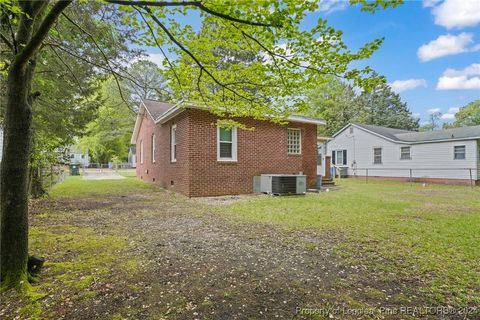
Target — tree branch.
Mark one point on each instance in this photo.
(104, 57)
(191, 55)
(161, 49)
(8, 43)
(36, 40)
(197, 4)
(69, 69)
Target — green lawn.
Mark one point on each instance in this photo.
(431, 233)
(76, 187)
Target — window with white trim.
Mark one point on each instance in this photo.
(141, 151)
(377, 155)
(294, 141)
(173, 143)
(339, 157)
(153, 148)
(459, 152)
(405, 153)
(227, 144)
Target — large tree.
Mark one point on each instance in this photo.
(297, 58)
(383, 107)
(468, 115)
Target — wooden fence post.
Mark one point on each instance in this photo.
(471, 179)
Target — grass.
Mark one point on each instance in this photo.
(76, 187)
(428, 232)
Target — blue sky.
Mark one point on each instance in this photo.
(431, 52)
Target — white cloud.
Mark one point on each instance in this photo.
(446, 45)
(455, 13)
(329, 6)
(156, 58)
(416, 115)
(434, 110)
(404, 85)
(467, 78)
(448, 116)
(453, 110)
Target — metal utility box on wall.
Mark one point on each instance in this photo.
(283, 184)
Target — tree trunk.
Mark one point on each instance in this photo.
(14, 177)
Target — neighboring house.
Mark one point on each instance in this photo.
(132, 157)
(76, 156)
(179, 147)
(445, 156)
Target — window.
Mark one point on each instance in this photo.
(294, 141)
(377, 155)
(173, 143)
(141, 151)
(351, 130)
(153, 148)
(405, 153)
(227, 144)
(339, 157)
(459, 152)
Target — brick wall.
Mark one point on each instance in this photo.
(263, 150)
(197, 171)
(164, 173)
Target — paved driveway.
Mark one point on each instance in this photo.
(101, 174)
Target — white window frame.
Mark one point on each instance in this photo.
(381, 155)
(340, 151)
(233, 158)
(141, 151)
(299, 140)
(464, 152)
(409, 153)
(153, 148)
(173, 143)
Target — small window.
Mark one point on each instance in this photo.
(141, 151)
(339, 157)
(294, 141)
(405, 153)
(377, 155)
(173, 143)
(153, 148)
(351, 130)
(227, 144)
(459, 152)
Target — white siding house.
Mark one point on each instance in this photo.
(451, 155)
(76, 156)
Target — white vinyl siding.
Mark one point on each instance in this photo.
(227, 144)
(173, 143)
(294, 142)
(153, 148)
(437, 157)
(405, 153)
(377, 155)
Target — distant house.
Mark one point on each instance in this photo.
(179, 147)
(132, 157)
(444, 156)
(76, 156)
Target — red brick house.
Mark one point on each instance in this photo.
(180, 148)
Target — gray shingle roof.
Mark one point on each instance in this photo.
(417, 137)
(156, 108)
